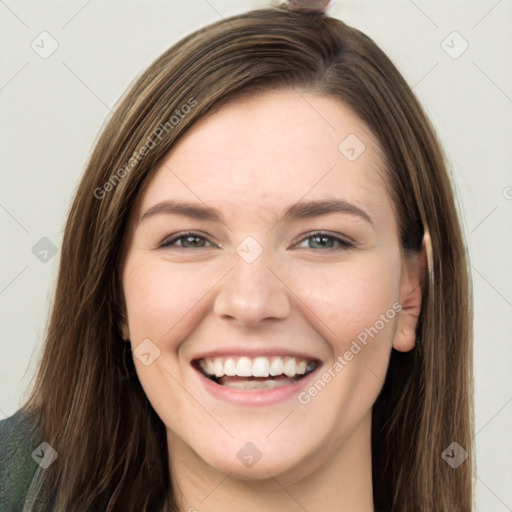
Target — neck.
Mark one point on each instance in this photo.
(336, 479)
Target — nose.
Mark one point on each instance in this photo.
(252, 292)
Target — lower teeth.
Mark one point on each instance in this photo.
(248, 383)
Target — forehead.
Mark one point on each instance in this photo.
(271, 151)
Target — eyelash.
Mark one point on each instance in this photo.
(345, 245)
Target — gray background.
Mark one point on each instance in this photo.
(53, 109)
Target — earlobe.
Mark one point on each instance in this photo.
(411, 292)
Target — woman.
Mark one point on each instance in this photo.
(262, 299)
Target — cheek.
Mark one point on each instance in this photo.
(358, 321)
(353, 298)
(165, 302)
(161, 300)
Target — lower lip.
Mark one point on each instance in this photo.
(253, 396)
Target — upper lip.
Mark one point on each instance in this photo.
(252, 353)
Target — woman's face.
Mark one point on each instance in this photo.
(256, 287)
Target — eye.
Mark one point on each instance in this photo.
(192, 240)
(189, 241)
(320, 239)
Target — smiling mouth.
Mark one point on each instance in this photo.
(257, 373)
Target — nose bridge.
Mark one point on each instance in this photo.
(251, 291)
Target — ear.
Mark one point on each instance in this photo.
(414, 270)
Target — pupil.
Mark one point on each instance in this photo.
(323, 239)
(190, 239)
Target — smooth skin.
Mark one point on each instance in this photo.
(251, 160)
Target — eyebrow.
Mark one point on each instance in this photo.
(297, 211)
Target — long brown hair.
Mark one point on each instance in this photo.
(87, 398)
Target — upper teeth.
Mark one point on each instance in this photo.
(255, 367)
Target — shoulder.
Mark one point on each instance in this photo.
(18, 440)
